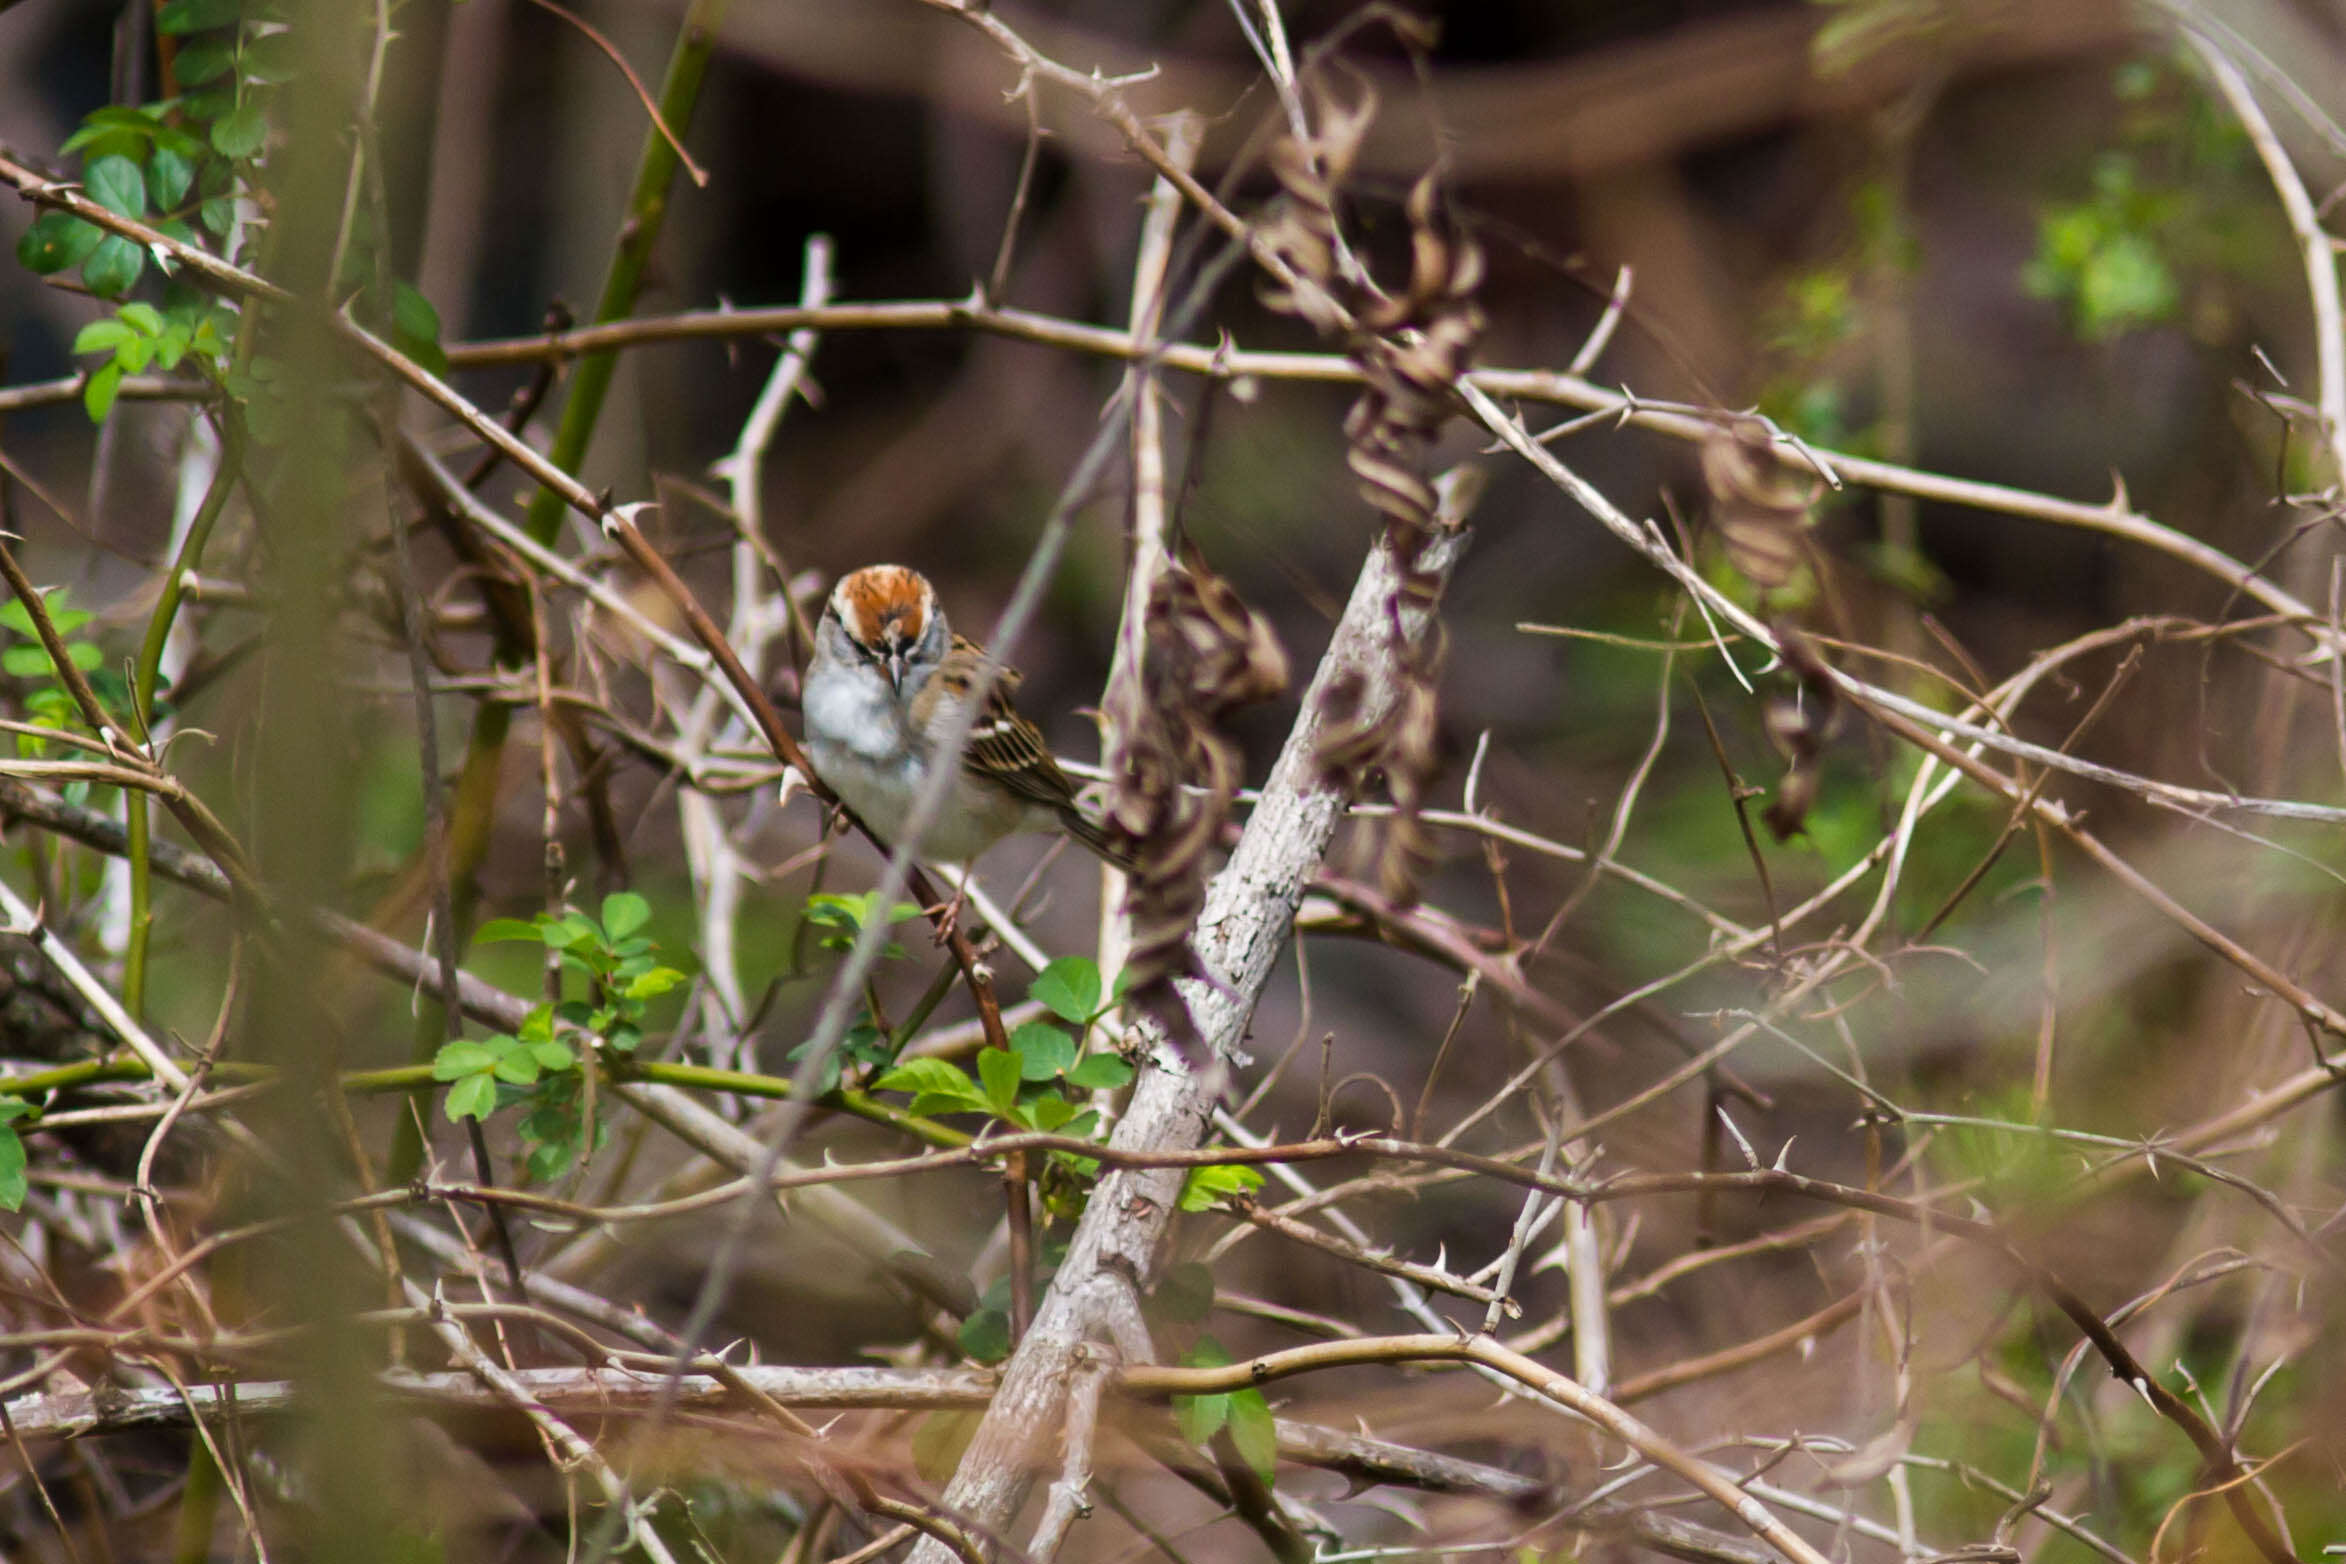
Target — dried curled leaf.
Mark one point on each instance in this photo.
(1799, 725)
(1405, 746)
(1411, 347)
(1420, 342)
(1176, 772)
(1759, 505)
(1301, 230)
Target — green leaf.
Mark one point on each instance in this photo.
(269, 58)
(240, 133)
(207, 338)
(474, 1097)
(652, 984)
(169, 177)
(1101, 1072)
(55, 242)
(553, 1054)
(14, 1186)
(556, 1128)
(415, 328)
(62, 618)
(113, 267)
(116, 184)
(194, 16)
(623, 913)
(985, 1336)
(1069, 988)
(13, 1108)
(203, 107)
(998, 1068)
(497, 930)
(102, 336)
(116, 130)
(934, 1077)
(1044, 1051)
(567, 931)
(549, 1160)
(207, 59)
(835, 911)
(516, 1064)
(181, 143)
(2128, 284)
(853, 912)
(462, 1057)
(1254, 1433)
(1046, 1113)
(142, 318)
(1206, 1353)
(110, 685)
(1205, 1187)
(98, 396)
(1200, 1417)
(413, 314)
(866, 1044)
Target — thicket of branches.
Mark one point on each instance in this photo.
(1732, 955)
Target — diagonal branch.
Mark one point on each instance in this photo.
(1249, 911)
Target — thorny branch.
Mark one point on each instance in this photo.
(1088, 1380)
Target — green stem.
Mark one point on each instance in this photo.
(66, 1077)
(142, 908)
(199, 1505)
(909, 1028)
(418, 1077)
(144, 678)
(647, 213)
(742, 1083)
(473, 802)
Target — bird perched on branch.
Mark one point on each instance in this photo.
(887, 680)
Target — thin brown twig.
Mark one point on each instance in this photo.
(643, 94)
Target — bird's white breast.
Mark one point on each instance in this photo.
(860, 745)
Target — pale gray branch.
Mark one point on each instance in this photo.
(1249, 913)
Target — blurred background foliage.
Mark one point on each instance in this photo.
(2022, 244)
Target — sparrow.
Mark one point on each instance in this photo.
(888, 676)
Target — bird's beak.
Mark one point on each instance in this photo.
(896, 670)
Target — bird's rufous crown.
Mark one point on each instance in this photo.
(881, 605)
